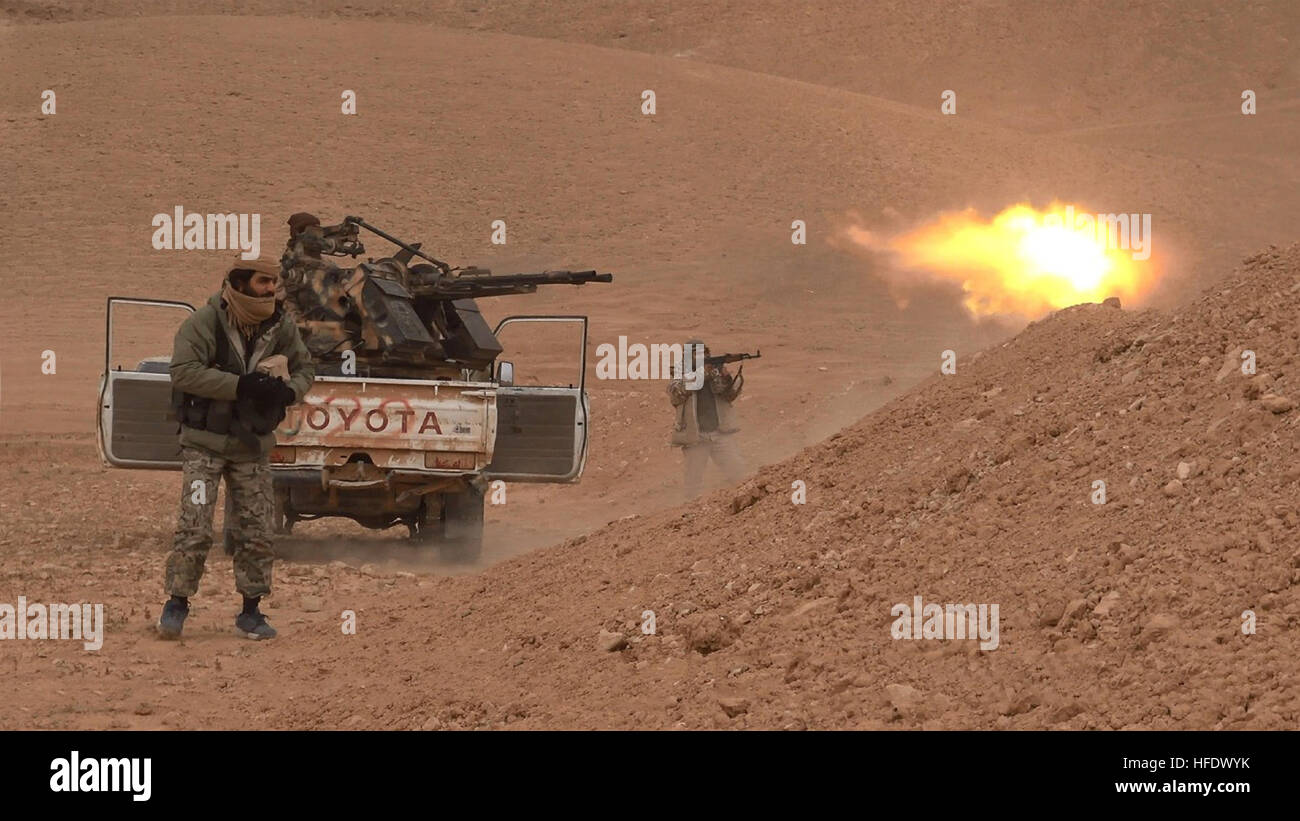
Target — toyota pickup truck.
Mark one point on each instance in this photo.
(382, 452)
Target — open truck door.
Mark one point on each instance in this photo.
(542, 407)
(135, 426)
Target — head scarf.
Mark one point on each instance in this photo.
(246, 312)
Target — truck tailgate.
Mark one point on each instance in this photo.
(397, 423)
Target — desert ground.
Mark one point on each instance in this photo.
(966, 487)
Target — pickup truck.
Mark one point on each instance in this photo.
(382, 452)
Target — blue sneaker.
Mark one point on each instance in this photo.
(253, 626)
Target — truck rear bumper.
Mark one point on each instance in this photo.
(362, 475)
(361, 491)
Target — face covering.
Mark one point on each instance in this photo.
(246, 312)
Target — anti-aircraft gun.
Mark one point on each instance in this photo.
(400, 318)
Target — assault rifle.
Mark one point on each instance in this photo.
(724, 358)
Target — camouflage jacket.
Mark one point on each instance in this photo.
(725, 388)
(302, 284)
(299, 265)
(193, 370)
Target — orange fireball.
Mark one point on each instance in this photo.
(1024, 261)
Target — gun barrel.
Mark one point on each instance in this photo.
(722, 359)
(399, 243)
(476, 285)
(544, 278)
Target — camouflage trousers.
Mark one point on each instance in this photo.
(248, 484)
(722, 449)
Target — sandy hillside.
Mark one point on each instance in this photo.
(1029, 65)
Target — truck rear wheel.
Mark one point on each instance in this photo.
(454, 521)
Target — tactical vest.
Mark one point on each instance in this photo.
(202, 412)
(243, 418)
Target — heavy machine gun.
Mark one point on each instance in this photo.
(398, 319)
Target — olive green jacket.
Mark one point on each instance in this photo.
(193, 370)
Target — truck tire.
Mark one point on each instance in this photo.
(460, 529)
